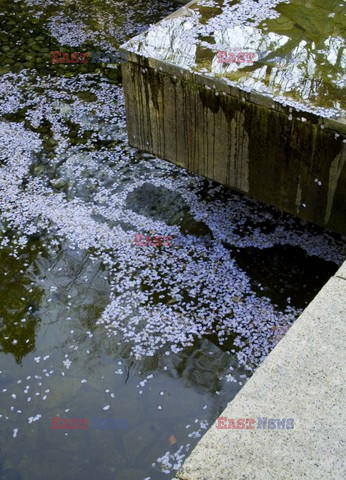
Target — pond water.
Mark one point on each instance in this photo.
(147, 343)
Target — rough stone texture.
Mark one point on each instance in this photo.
(302, 378)
(294, 160)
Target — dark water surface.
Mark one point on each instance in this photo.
(91, 326)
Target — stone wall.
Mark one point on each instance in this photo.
(292, 160)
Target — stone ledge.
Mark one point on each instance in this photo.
(184, 40)
(262, 141)
(265, 151)
(217, 85)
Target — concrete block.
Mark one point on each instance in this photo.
(237, 124)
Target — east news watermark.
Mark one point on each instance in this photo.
(251, 57)
(84, 57)
(153, 241)
(261, 423)
(59, 423)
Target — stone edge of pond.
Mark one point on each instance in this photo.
(302, 378)
(275, 153)
(220, 85)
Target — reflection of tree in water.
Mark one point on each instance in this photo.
(19, 301)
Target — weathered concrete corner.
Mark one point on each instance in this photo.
(182, 107)
(302, 378)
(341, 273)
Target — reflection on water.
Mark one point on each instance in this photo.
(20, 301)
(311, 32)
(92, 326)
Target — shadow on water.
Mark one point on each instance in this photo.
(160, 203)
(293, 273)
